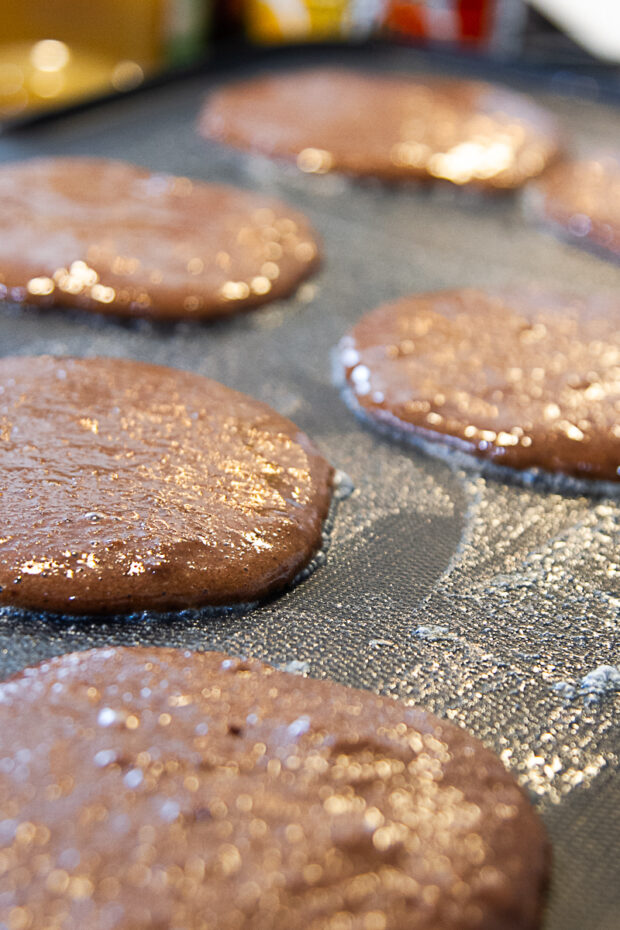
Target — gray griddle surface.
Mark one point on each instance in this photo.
(493, 605)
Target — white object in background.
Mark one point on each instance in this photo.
(365, 15)
(594, 24)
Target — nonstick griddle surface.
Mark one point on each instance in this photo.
(489, 603)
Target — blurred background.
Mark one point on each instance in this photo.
(58, 53)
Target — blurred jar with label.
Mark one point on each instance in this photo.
(57, 52)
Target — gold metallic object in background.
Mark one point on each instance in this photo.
(56, 54)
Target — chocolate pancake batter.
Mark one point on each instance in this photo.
(126, 486)
(115, 239)
(465, 132)
(582, 199)
(530, 380)
(144, 788)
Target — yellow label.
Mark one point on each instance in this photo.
(279, 20)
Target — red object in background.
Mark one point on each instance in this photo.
(406, 17)
(476, 19)
(460, 21)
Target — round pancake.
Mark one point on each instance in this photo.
(160, 788)
(126, 486)
(526, 379)
(393, 127)
(582, 200)
(116, 239)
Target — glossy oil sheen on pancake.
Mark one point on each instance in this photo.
(116, 239)
(126, 486)
(393, 127)
(145, 788)
(582, 198)
(526, 379)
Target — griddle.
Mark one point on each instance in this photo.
(491, 603)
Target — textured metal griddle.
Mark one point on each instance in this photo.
(486, 602)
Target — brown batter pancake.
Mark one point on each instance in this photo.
(582, 198)
(126, 486)
(528, 380)
(156, 788)
(115, 239)
(387, 126)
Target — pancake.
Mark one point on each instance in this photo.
(529, 380)
(119, 240)
(160, 788)
(126, 486)
(581, 199)
(391, 127)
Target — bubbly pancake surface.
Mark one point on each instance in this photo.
(126, 486)
(582, 198)
(160, 788)
(112, 238)
(393, 127)
(527, 379)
